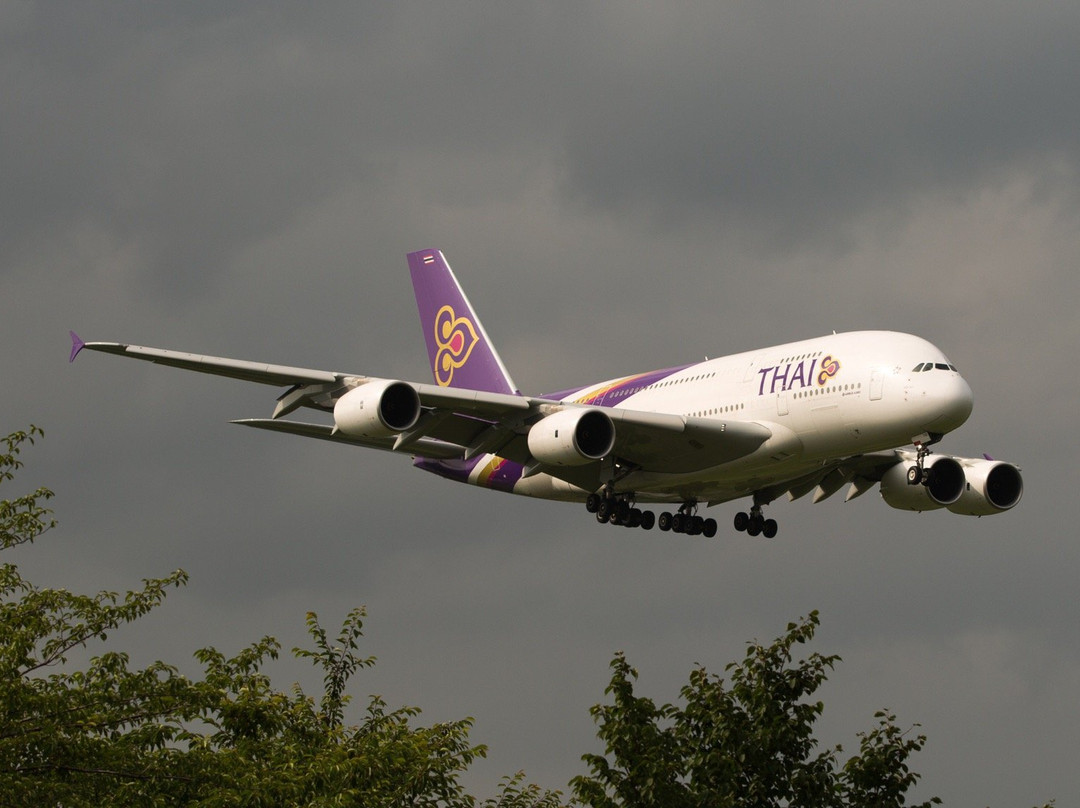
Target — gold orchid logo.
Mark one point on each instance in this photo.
(455, 337)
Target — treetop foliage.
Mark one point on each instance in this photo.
(110, 734)
(107, 734)
(745, 741)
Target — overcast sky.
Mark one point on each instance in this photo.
(619, 187)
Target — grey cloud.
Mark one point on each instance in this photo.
(618, 189)
(801, 114)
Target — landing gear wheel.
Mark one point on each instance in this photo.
(648, 519)
(708, 530)
(754, 527)
(919, 473)
(769, 528)
(664, 521)
(678, 523)
(742, 521)
(592, 502)
(697, 525)
(604, 510)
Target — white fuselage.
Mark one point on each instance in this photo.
(824, 398)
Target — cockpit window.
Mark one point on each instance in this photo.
(925, 366)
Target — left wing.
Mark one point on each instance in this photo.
(456, 410)
(456, 423)
(234, 368)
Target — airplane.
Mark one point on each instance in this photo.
(860, 409)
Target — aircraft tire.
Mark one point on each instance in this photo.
(648, 519)
(664, 521)
(603, 510)
(768, 530)
(592, 503)
(742, 521)
(709, 528)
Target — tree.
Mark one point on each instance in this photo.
(108, 734)
(744, 742)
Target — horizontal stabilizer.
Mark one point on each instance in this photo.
(423, 447)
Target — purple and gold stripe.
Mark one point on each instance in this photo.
(619, 390)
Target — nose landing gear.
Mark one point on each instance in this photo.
(919, 473)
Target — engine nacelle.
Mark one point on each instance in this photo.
(377, 409)
(572, 437)
(947, 483)
(992, 487)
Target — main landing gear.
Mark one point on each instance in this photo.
(686, 521)
(755, 523)
(619, 511)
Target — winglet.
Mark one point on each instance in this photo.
(76, 345)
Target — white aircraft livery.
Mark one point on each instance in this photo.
(854, 409)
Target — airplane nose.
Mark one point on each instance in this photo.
(944, 401)
(958, 403)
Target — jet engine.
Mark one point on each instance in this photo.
(946, 485)
(377, 409)
(572, 437)
(992, 487)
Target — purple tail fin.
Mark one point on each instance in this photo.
(460, 351)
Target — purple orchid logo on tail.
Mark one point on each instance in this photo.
(455, 337)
